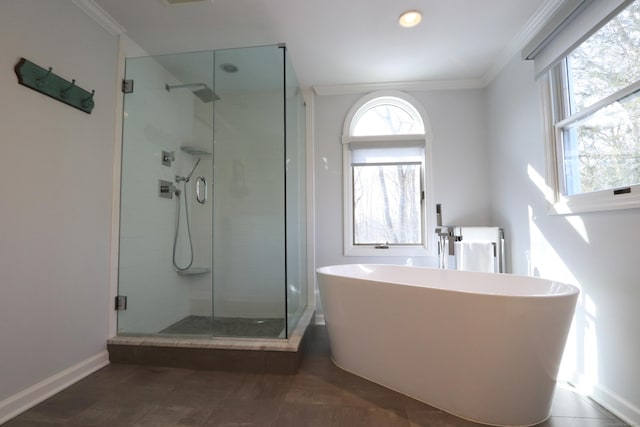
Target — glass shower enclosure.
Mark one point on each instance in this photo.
(212, 209)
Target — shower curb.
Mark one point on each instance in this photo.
(277, 356)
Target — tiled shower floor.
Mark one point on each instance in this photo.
(227, 327)
(319, 395)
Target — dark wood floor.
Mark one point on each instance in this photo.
(319, 395)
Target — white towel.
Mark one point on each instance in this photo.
(479, 234)
(474, 256)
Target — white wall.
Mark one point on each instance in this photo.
(460, 168)
(596, 251)
(55, 204)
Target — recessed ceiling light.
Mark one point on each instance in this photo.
(410, 18)
(229, 68)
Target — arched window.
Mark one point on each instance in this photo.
(386, 115)
(387, 171)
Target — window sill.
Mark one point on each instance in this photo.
(392, 251)
(597, 201)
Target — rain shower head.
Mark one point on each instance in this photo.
(205, 94)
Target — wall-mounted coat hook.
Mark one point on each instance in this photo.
(42, 79)
(48, 83)
(64, 93)
(88, 102)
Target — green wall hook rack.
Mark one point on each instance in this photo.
(48, 83)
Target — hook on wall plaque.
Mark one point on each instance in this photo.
(48, 83)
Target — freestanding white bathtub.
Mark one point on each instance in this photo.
(485, 347)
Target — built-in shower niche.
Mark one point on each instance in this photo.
(224, 257)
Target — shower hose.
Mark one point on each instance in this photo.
(175, 236)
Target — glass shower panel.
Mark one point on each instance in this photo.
(167, 137)
(295, 197)
(213, 205)
(249, 207)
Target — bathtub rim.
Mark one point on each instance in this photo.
(564, 289)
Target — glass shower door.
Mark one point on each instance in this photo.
(165, 268)
(249, 253)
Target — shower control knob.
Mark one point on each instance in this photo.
(166, 189)
(168, 157)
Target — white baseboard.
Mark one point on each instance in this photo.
(617, 405)
(20, 402)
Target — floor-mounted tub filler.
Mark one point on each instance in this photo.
(485, 347)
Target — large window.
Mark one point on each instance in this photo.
(593, 105)
(385, 168)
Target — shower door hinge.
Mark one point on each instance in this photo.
(127, 86)
(121, 302)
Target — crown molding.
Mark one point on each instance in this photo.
(99, 15)
(427, 85)
(531, 28)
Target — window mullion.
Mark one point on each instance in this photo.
(605, 102)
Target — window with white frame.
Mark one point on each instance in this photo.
(386, 152)
(592, 104)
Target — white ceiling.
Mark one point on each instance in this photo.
(343, 42)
